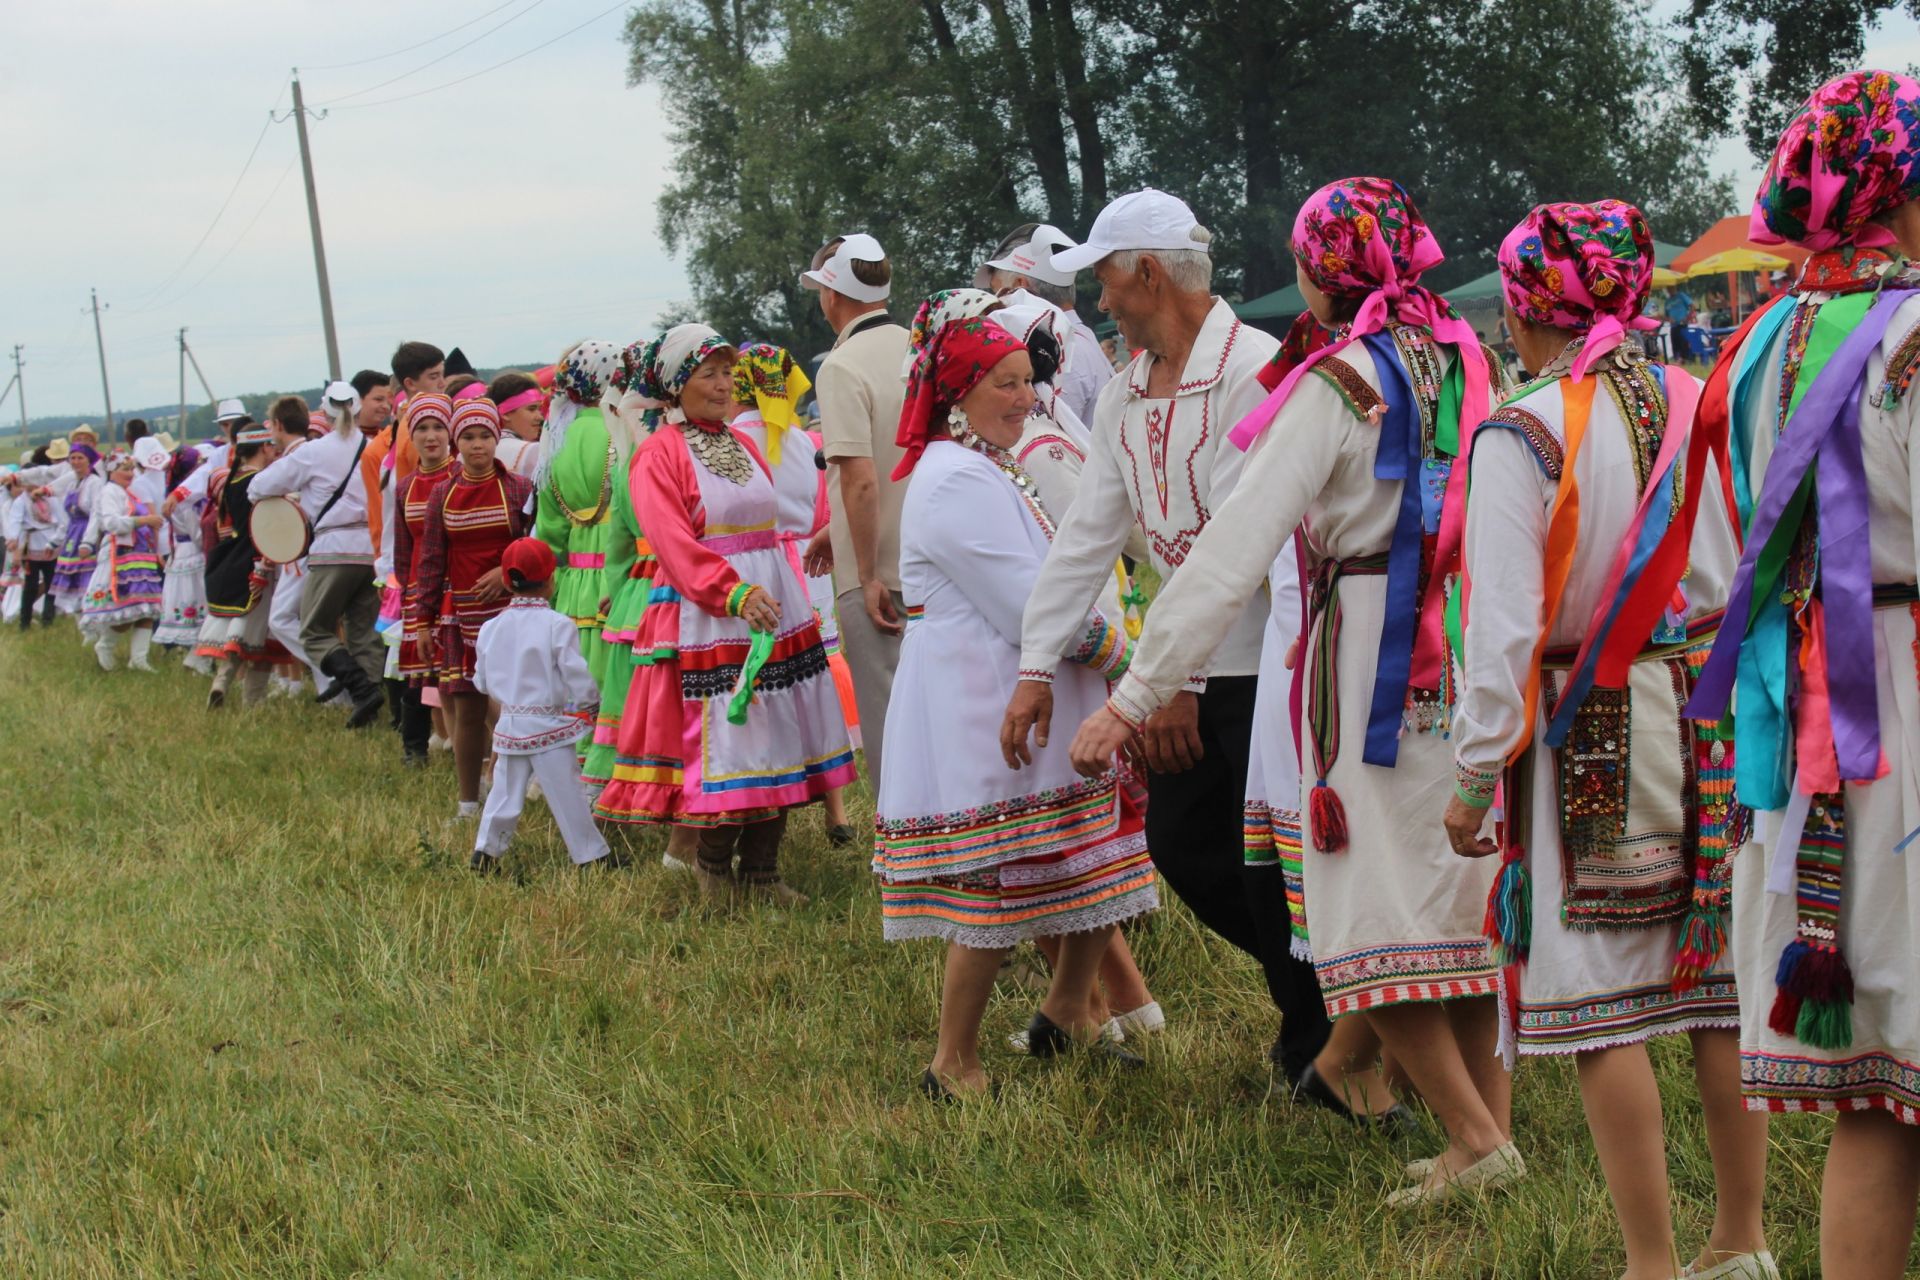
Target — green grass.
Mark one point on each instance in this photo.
(259, 1021)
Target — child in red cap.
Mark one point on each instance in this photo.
(528, 660)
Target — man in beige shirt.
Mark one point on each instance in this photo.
(860, 391)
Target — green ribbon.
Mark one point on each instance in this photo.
(757, 656)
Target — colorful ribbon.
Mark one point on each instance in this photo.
(760, 649)
(1398, 456)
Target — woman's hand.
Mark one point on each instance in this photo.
(1463, 823)
(760, 611)
(1101, 738)
(817, 560)
(491, 585)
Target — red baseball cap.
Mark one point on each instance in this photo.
(530, 558)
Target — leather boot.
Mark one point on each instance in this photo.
(222, 681)
(367, 696)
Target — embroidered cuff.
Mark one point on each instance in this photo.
(1475, 787)
(1133, 702)
(737, 598)
(1104, 649)
(1036, 664)
(1043, 677)
(1195, 684)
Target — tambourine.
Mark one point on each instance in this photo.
(280, 531)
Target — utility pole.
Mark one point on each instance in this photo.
(313, 221)
(183, 384)
(100, 345)
(21, 380)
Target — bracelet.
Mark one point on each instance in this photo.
(737, 598)
(1475, 787)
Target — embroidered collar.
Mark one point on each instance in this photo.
(528, 602)
(1848, 269)
(1206, 362)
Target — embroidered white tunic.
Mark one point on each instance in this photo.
(1164, 466)
(529, 662)
(310, 473)
(1588, 988)
(1880, 903)
(1396, 916)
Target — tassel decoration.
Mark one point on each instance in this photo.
(1329, 818)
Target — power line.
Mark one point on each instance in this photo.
(420, 93)
(435, 39)
(284, 174)
(433, 61)
(157, 290)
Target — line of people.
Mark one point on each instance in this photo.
(1541, 603)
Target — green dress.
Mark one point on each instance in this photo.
(573, 519)
(627, 584)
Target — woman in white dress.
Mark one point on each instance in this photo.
(968, 851)
(123, 595)
(1616, 807)
(183, 600)
(1826, 919)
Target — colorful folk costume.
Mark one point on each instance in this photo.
(724, 728)
(1598, 553)
(1817, 658)
(1355, 447)
(574, 480)
(413, 495)
(528, 661)
(125, 590)
(968, 850)
(469, 522)
(239, 586)
(74, 566)
(626, 580)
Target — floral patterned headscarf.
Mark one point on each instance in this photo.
(1852, 154)
(769, 378)
(959, 355)
(668, 362)
(1364, 238)
(1584, 267)
(580, 381)
(940, 310)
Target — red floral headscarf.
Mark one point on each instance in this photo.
(953, 362)
(1852, 154)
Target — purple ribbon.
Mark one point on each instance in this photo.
(1828, 413)
(1396, 457)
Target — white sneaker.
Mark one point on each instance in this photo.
(469, 808)
(437, 743)
(1743, 1266)
(1146, 1020)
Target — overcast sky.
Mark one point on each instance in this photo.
(511, 214)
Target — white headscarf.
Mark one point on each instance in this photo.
(580, 382)
(1023, 316)
(670, 360)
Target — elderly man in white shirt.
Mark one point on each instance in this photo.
(339, 593)
(1021, 272)
(1161, 462)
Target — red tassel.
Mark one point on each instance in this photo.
(1329, 818)
(1785, 1014)
(1703, 940)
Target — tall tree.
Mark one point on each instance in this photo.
(1750, 63)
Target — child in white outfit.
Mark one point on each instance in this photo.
(528, 661)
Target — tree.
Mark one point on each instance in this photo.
(1751, 63)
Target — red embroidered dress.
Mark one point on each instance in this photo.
(469, 524)
(411, 501)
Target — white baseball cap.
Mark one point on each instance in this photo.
(1141, 220)
(1035, 258)
(836, 273)
(230, 411)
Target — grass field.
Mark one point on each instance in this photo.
(260, 1021)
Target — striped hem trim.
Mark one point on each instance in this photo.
(1864, 1082)
(1607, 1019)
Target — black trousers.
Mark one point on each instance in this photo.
(36, 583)
(1194, 833)
(416, 722)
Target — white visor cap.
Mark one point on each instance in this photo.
(836, 273)
(1035, 259)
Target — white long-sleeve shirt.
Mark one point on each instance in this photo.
(310, 474)
(528, 660)
(1163, 466)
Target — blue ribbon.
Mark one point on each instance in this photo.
(1398, 457)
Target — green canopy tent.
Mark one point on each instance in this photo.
(1272, 306)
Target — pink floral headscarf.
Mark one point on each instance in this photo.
(1584, 267)
(1851, 154)
(1364, 238)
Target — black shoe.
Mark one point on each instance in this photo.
(1396, 1121)
(414, 759)
(934, 1089)
(1048, 1039)
(840, 836)
(611, 860)
(482, 864)
(328, 694)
